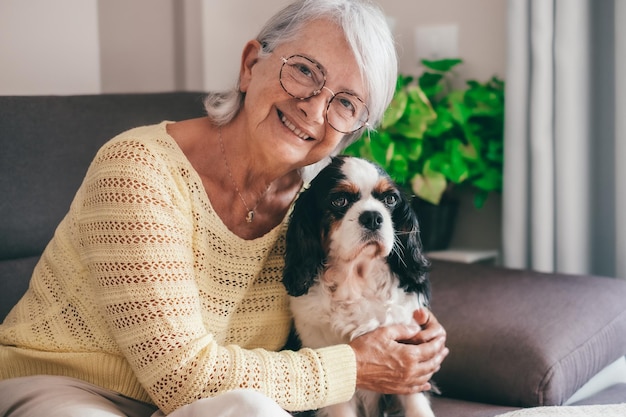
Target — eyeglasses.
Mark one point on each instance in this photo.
(303, 78)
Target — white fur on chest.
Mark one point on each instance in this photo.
(343, 304)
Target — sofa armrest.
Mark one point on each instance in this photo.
(523, 338)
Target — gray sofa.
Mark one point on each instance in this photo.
(517, 338)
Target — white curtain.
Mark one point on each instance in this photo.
(564, 204)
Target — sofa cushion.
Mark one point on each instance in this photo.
(47, 145)
(450, 407)
(523, 338)
(14, 278)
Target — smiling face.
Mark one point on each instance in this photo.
(285, 129)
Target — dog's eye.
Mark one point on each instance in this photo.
(390, 200)
(341, 201)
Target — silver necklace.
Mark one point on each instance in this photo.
(250, 214)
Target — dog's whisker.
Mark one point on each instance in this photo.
(396, 250)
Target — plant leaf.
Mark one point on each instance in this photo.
(396, 109)
(442, 123)
(414, 149)
(460, 112)
(479, 198)
(403, 81)
(399, 168)
(491, 180)
(441, 65)
(378, 147)
(430, 185)
(458, 170)
(431, 137)
(417, 115)
(429, 80)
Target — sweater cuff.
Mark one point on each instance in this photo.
(340, 365)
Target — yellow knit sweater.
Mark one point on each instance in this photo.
(143, 290)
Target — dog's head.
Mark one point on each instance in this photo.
(353, 206)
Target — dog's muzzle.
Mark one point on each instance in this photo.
(371, 220)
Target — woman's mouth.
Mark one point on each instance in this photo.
(293, 127)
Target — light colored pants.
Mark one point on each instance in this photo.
(57, 396)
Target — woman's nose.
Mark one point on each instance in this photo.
(315, 107)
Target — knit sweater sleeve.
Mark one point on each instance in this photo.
(137, 238)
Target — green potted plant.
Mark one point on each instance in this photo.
(434, 140)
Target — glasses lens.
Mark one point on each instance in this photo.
(301, 77)
(347, 113)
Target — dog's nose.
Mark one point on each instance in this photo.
(372, 220)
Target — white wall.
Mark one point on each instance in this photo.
(227, 26)
(481, 32)
(189, 44)
(137, 45)
(49, 47)
(91, 46)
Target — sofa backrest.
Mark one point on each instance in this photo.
(46, 145)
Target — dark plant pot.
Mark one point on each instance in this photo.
(436, 222)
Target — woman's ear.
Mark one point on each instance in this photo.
(249, 57)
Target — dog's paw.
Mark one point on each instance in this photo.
(416, 405)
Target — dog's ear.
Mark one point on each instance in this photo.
(304, 254)
(407, 259)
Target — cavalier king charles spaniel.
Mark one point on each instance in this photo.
(354, 263)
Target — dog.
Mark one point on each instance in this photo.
(353, 263)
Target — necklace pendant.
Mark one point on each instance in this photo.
(250, 216)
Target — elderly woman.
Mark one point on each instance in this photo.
(161, 289)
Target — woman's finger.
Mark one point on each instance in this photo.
(431, 328)
(388, 366)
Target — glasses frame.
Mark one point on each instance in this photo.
(319, 90)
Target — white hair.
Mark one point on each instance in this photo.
(368, 34)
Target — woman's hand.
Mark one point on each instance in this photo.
(400, 359)
(431, 329)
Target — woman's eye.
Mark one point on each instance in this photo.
(340, 202)
(348, 105)
(305, 70)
